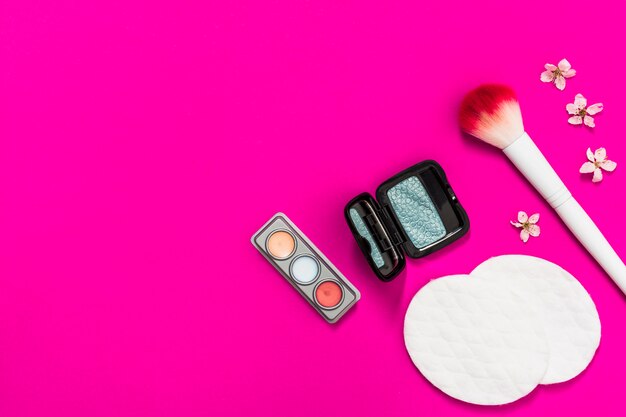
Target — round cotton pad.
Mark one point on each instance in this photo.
(475, 340)
(569, 315)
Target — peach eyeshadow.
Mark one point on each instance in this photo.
(281, 244)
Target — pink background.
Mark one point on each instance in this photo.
(143, 143)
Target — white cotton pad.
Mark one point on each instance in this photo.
(570, 317)
(475, 340)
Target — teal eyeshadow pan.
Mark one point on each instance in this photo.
(414, 213)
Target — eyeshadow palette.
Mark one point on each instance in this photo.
(305, 267)
(414, 213)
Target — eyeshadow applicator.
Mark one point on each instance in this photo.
(491, 113)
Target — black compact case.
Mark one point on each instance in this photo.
(415, 213)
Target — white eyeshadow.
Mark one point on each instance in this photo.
(305, 269)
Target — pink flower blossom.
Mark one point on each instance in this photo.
(528, 224)
(581, 112)
(597, 163)
(558, 74)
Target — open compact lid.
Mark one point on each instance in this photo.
(416, 213)
(372, 234)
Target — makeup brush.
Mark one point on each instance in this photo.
(491, 113)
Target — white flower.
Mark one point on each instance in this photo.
(558, 74)
(581, 112)
(597, 163)
(528, 224)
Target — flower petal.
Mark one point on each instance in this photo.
(564, 65)
(516, 224)
(534, 218)
(575, 120)
(522, 217)
(580, 101)
(560, 82)
(534, 230)
(571, 108)
(600, 155)
(590, 156)
(550, 67)
(597, 175)
(587, 168)
(608, 165)
(524, 235)
(568, 73)
(547, 76)
(595, 108)
(589, 121)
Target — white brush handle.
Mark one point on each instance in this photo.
(530, 161)
(587, 233)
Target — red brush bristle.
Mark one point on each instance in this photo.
(492, 114)
(485, 99)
